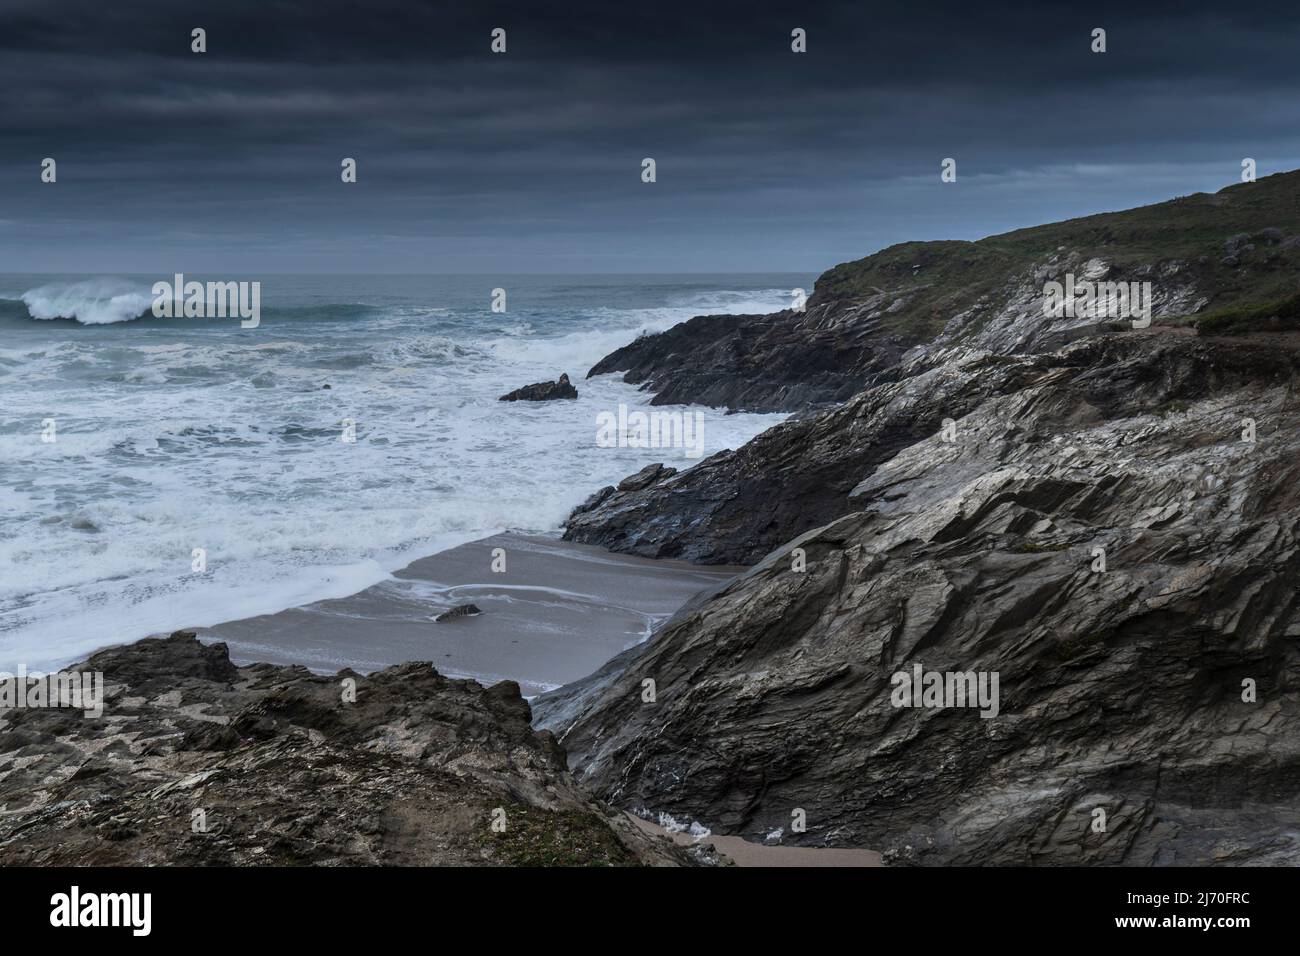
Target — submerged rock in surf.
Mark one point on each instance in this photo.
(460, 610)
(542, 391)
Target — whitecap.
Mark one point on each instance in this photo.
(90, 302)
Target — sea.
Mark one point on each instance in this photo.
(158, 473)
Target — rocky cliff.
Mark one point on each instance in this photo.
(1201, 253)
(195, 761)
(1223, 262)
(1108, 527)
(1121, 679)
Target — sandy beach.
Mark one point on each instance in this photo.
(744, 853)
(558, 612)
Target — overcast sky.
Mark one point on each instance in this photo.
(530, 161)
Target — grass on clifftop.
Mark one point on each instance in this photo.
(1281, 315)
(535, 837)
(941, 279)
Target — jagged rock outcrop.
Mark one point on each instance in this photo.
(736, 506)
(542, 391)
(283, 771)
(1121, 689)
(758, 363)
(1238, 246)
(646, 477)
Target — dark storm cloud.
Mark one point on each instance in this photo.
(531, 160)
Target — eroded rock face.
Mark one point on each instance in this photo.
(284, 772)
(758, 363)
(1121, 690)
(736, 506)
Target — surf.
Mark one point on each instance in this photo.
(90, 302)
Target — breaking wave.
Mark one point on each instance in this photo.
(91, 302)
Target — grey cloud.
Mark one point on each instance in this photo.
(767, 160)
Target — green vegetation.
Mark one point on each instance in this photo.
(940, 279)
(1036, 547)
(1270, 317)
(1232, 243)
(535, 837)
(1183, 228)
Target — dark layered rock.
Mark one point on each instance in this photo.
(757, 363)
(647, 476)
(1121, 690)
(286, 771)
(542, 391)
(736, 506)
(947, 514)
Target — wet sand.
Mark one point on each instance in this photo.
(557, 613)
(744, 853)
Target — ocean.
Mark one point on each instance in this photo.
(198, 471)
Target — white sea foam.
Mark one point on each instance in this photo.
(92, 302)
(172, 440)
